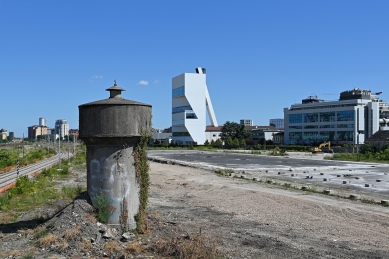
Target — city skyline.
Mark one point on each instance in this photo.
(260, 56)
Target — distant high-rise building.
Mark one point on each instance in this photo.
(11, 135)
(61, 128)
(246, 122)
(42, 122)
(277, 123)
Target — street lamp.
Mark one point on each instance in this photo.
(59, 146)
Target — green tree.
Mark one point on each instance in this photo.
(206, 143)
(234, 130)
(229, 141)
(236, 142)
(218, 143)
(212, 143)
(243, 143)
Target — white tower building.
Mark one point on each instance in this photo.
(61, 128)
(190, 99)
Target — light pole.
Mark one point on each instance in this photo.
(59, 147)
(68, 151)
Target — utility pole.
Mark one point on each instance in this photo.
(68, 151)
(59, 147)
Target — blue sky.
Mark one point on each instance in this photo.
(260, 56)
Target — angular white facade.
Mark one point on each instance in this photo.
(190, 102)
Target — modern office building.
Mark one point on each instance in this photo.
(246, 122)
(350, 120)
(190, 102)
(61, 128)
(277, 123)
(11, 135)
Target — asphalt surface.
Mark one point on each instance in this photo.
(298, 166)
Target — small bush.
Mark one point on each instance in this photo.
(103, 207)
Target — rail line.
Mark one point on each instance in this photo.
(9, 178)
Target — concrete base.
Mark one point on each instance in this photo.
(111, 170)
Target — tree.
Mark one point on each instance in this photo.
(212, 143)
(218, 143)
(206, 143)
(236, 142)
(243, 143)
(229, 141)
(234, 130)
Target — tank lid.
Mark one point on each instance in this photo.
(115, 98)
(115, 91)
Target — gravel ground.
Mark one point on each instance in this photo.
(255, 220)
(245, 219)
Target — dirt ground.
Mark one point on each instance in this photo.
(257, 220)
(244, 219)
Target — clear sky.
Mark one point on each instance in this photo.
(260, 56)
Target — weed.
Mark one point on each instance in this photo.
(189, 246)
(85, 246)
(47, 240)
(369, 201)
(91, 218)
(224, 172)
(41, 233)
(142, 168)
(103, 207)
(112, 247)
(29, 256)
(133, 248)
(71, 233)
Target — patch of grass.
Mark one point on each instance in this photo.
(224, 172)
(112, 248)
(133, 248)
(103, 207)
(47, 240)
(191, 246)
(71, 233)
(72, 192)
(41, 233)
(369, 201)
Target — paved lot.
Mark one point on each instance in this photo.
(299, 166)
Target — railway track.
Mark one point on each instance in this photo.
(10, 177)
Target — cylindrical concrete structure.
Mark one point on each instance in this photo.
(111, 128)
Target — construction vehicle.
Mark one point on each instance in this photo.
(319, 149)
(278, 151)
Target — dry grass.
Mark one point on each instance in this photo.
(193, 246)
(133, 248)
(63, 244)
(112, 248)
(85, 246)
(47, 240)
(91, 218)
(71, 233)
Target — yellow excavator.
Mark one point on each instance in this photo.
(319, 149)
(278, 151)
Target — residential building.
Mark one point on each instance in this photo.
(350, 120)
(246, 122)
(61, 128)
(190, 102)
(74, 132)
(277, 123)
(35, 131)
(3, 134)
(278, 138)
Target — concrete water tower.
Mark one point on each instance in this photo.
(110, 129)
